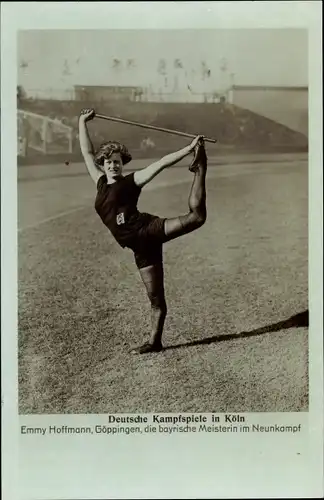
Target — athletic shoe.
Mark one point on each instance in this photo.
(147, 348)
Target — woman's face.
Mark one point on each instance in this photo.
(113, 166)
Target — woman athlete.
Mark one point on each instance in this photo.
(144, 234)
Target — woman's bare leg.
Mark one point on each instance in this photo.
(153, 279)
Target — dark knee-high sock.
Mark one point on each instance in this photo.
(197, 197)
(153, 279)
(158, 315)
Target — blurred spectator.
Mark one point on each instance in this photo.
(147, 144)
(22, 146)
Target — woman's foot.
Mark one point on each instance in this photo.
(200, 157)
(147, 348)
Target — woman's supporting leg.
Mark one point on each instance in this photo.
(197, 215)
(153, 279)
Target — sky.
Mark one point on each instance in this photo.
(59, 59)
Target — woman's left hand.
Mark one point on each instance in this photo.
(196, 141)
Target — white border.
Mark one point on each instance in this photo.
(177, 474)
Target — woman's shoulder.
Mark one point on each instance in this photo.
(129, 179)
(101, 183)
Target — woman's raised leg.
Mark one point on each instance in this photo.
(197, 214)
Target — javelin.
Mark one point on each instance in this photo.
(151, 127)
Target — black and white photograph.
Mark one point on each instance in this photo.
(162, 220)
(161, 257)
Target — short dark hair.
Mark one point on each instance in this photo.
(108, 148)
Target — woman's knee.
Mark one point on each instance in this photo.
(184, 224)
(199, 219)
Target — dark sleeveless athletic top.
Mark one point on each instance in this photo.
(116, 204)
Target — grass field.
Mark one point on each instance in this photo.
(236, 336)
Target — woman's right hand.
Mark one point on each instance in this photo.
(87, 114)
